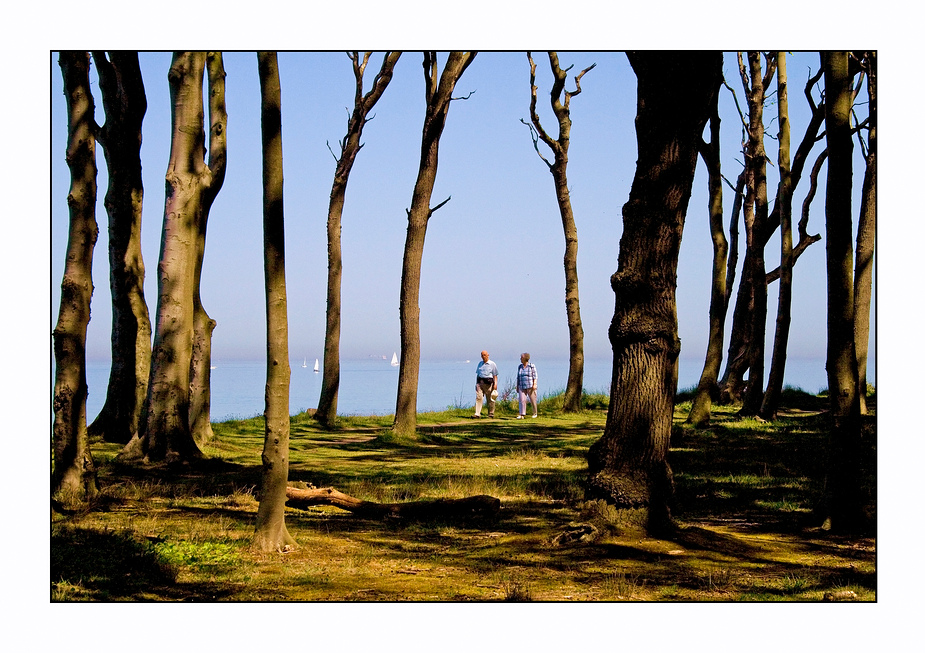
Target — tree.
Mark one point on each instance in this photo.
(350, 146)
(756, 215)
(73, 473)
(738, 359)
(719, 298)
(203, 325)
(559, 98)
(627, 466)
(124, 102)
(271, 533)
(784, 200)
(191, 187)
(867, 231)
(438, 94)
(842, 488)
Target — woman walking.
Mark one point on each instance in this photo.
(526, 385)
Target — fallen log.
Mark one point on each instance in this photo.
(476, 506)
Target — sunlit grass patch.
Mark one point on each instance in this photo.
(206, 556)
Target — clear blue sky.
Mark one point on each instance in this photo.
(492, 273)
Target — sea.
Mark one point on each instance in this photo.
(369, 386)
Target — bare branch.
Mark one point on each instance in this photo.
(811, 193)
(578, 79)
(431, 77)
(735, 99)
(433, 210)
(536, 145)
(805, 242)
(466, 97)
(771, 63)
(328, 143)
(534, 117)
(808, 88)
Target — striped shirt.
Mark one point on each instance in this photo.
(526, 376)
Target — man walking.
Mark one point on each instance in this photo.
(486, 383)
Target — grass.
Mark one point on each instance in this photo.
(746, 497)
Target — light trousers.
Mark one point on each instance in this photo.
(523, 396)
(482, 390)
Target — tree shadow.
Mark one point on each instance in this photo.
(113, 566)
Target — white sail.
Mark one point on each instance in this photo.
(394, 359)
(304, 362)
(316, 364)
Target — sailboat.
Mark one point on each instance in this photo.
(394, 359)
(304, 362)
(316, 366)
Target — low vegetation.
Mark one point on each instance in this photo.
(747, 529)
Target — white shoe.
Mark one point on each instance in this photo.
(520, 417)
(534, 415)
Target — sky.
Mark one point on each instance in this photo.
(492, 274)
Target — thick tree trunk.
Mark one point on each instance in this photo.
(326, 412)
(842, 489)
(450, 509)
(627, 466)
(271, 533)
(439, 95)
(772, 395)
(191, 188)
(124, 101)
(867, 232)
(707, 387)
(73, 473)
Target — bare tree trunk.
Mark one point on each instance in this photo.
(124, 101)
(737, 359)
(326, 412)
(756, 215)
(191, 185)
(707, 387)
(560, 99)
(867, 232)
(203, 325)
(784, 201)
(439, 92)
(627, 467)
(73, 473)
(842, 490)
(271, 533)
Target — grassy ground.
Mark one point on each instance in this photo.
(746, 492)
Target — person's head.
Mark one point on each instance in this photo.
(524, 357)
(485, 356)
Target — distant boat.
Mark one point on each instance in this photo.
(394, 359)
(304, 362)
(316, 366)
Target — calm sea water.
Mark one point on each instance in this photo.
(369, 386)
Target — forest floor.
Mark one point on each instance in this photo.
(747, 526)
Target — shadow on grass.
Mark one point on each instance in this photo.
(93, 565)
